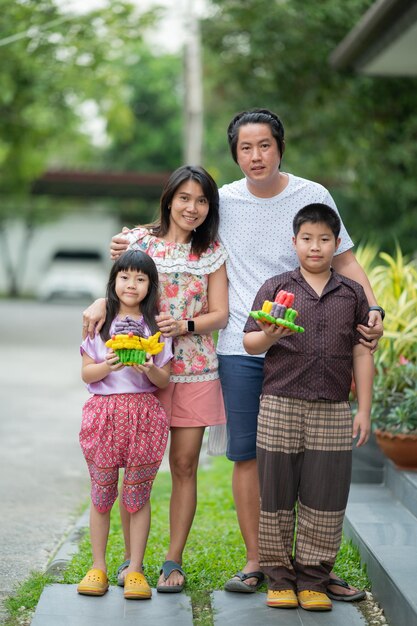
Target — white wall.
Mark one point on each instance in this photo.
(75, 231)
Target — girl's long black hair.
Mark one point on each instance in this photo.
(206, 233)
(138, 261)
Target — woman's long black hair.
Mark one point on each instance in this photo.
(138, 261)
(206, 233)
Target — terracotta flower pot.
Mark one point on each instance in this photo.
(401, 449)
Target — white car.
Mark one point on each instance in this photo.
(74, 274)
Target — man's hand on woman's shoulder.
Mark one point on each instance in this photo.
(119, 244)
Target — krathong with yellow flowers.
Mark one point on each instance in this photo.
(130, 345)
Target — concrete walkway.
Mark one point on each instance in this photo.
(43, 480)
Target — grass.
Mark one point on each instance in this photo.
(214, 549)
(21, 605)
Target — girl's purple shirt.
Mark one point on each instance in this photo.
(126, 380)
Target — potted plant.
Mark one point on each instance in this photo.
(394, 413)
(394, 282)
(394, 410)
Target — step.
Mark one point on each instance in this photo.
(403, 486)
(368, 463)
(385, 532)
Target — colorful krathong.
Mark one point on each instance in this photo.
(129, 344)
(279, 312)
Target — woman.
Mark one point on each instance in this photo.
(193, 302)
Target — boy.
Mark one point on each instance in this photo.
(304, 440)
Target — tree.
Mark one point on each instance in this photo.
(51, 64)
(58, 62)
(355, 134)
(152, 86)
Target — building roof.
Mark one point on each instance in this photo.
(73, 183)
(383, 42)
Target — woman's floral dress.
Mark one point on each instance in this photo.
(183, 282)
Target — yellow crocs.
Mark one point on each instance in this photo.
(282, 599)
(136, 587)
(94, 583)
(314, 601)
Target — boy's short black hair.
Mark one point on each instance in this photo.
(317, 213)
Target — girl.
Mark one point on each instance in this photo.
(124, 425)
(193, 303)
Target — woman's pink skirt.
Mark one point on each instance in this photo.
(193, 404)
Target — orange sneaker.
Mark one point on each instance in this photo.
(314, 601)
(94, 583)
(282, 599)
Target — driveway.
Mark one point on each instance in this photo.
(43, 478)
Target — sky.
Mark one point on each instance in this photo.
(171, 31)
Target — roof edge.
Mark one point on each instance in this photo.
(381, 17)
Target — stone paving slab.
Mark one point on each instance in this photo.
(233, 609)
(62, 605)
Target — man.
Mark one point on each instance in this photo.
(256, 216)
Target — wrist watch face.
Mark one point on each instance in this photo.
(190, 326)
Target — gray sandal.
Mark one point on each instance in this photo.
(240, 586)
(167, 568)
(353, 597)
(120, 569)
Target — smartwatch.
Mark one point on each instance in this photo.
(378, 308)
(190, 326)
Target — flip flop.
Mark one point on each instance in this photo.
(339, 582)
(120, 569)
(240, 586)
(167, 568)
